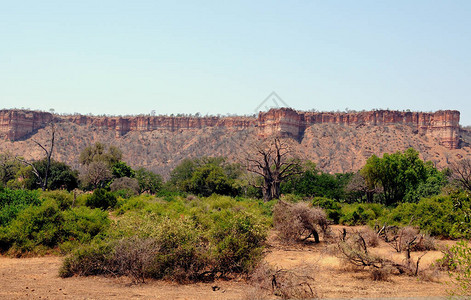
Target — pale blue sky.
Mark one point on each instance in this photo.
(132, 57)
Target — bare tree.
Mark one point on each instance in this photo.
(273, 161)
(359, 184)
(48, 150)
(461, 173)
(96, 174)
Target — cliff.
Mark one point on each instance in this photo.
(17, 124)
(442, 125)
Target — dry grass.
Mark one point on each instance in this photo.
(381, 274)
(288, 284)
(370, 236)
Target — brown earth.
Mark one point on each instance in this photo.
(35, 278)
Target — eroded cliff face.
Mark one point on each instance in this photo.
(17, 124)
(442, 125)
(123, 125)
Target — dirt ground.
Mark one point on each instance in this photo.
(37, 278)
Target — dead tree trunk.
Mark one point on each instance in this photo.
(43, 178)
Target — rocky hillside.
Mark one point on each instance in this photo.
(337, 142)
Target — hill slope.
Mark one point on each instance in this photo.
(334, 147)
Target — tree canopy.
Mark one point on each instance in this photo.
(398, 174)
(60, 175)
(100, 152)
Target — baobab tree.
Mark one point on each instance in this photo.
(272, 159)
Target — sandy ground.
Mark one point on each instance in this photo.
(37, 278)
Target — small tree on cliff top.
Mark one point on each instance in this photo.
(272, 159)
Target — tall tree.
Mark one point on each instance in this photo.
(396, 173)
(43, 177)
(273, 160)
(149, 181)
(108, 154)
(461, 173)
(96, 175)
(100, 162)
(9, 167)
(60, 176)
(205, 176)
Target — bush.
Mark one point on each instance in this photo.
(238, 240)
(82, 224)
(34, 228)
(13, 202)
(458, 261)
(299, 221)
(331, 207)
(287, 284)
(179, 239)
(444, 215)
(380, 274)
(101, 199)
(39, 228)
(135, 257)
(63, 198)
(360, 213)
(129, 186)
(87, 260)
(370, 237)
(180, 254)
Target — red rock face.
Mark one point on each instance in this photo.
(123, 125)
(443, 125)
(286, 122)
(16, 124)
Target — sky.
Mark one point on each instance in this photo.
(217, 57)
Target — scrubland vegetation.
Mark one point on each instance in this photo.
(211, 218)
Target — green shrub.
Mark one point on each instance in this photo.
(63, 198)
(458, 261)
(238, 240)
(182, 239)
(182, 251)
(81, 224)
(133, 203)
(360, 213)
(444, 215)
(14, 201)
(332, 207)
(87, 260)
(44, 227)
(35, 227)
(101, 199)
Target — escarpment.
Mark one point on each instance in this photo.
(442, 125)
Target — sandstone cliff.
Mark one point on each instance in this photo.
(17, 124)
(336, 142)
(442, 125)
